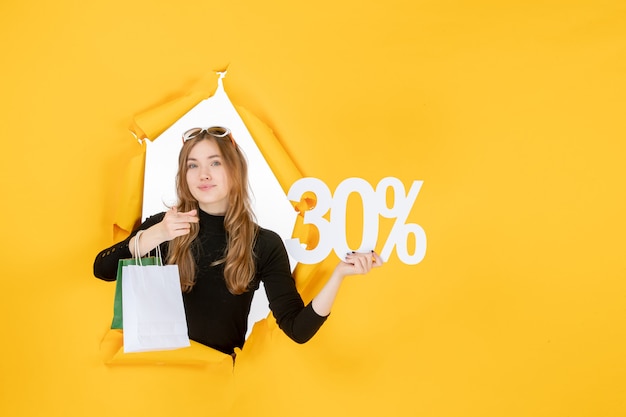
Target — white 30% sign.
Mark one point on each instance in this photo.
(332, 233)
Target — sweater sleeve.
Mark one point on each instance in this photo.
(298, 321)
(105, 264)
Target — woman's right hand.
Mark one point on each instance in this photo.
(177, 223)
(174, 224)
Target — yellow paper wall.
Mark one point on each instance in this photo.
(512, 113)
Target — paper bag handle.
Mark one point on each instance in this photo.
(136, 254)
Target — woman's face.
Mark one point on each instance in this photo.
(207, 177)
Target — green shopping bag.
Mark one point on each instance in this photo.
(118, 321)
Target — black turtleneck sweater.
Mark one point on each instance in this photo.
(215, 317)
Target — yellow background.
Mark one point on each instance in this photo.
(512, 113)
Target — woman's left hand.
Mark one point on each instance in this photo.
(359, 263)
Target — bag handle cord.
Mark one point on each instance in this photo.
(138, 257)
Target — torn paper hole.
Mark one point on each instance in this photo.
(271, 206)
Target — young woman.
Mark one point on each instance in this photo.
(222, 254)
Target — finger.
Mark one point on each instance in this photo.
(190, 216)
(352, 259)
(361, 263)
(182, 232)
(364, 264)
(367, 260)
(377, 260)
(188, 219)
(181, 225)
(353, 256)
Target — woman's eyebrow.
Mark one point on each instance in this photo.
(208, 157)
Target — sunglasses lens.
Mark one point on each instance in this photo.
(192, 133)
(218, 132)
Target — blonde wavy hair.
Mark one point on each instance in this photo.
(239, 222)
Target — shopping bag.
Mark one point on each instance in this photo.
(118, 314)
(152, 305)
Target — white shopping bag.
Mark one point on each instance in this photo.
(152, 304)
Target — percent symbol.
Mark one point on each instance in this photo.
(401, 231)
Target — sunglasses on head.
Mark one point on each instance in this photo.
(215, 131)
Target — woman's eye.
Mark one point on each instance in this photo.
(190, 166)
(216, 163)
